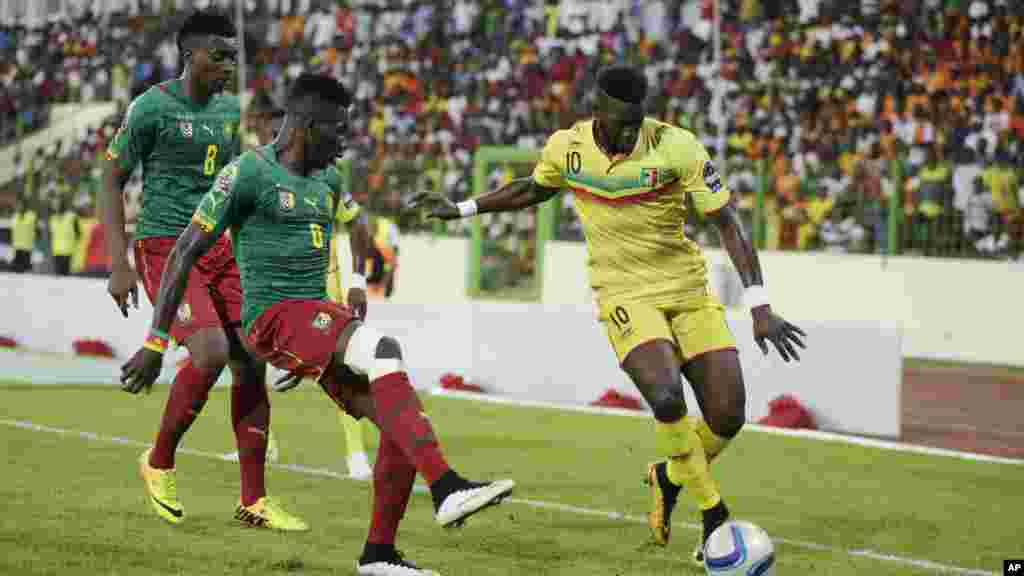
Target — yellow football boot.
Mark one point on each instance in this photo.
(663, 501)
(267, 513)
(161, 490)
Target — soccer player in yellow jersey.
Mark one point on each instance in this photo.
(360, 241)
(630, 176)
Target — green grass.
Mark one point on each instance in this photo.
(74, 506)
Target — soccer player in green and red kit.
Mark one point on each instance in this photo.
(279, 203)
(182, 132)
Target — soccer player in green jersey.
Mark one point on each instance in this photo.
(279, 203)
(182, 132)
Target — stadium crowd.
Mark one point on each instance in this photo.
(831, 108)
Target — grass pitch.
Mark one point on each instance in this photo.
(73, 505)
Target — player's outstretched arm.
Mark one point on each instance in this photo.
(516, 195)
(142, 370)
(768, 327)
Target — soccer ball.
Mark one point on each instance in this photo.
(739, 549)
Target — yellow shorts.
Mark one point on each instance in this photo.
(694, 326)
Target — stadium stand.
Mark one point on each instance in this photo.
(867, 126)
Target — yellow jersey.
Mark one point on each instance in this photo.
(1002, 184)
(347, 210)
(62, 233)
(633, 207)
(23, 230)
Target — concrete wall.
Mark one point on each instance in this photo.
(542, 352)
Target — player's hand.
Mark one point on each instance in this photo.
(123, 284)
(141, 371)
(287, 382)
(357, 302)
(769, 327)
(436, 206)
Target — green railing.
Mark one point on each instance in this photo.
(892, 207)
(484, 157)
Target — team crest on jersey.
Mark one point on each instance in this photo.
(184, 313)
(285, 199)
(655, 177)
(185, 126)
(712, 179)
(649, 177)
(322, 321)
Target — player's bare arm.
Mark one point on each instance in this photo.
(768, 326)
(142, 370)
(123, 281)
(359, 239)
(516, 195)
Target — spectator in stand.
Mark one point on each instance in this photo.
(803, 78)
(814, 212)
(874, 190)
(64, 235)
(24, 225)
(929, 190)
(977, 217)
(965, 175)
(1001, 180)
(931, 185)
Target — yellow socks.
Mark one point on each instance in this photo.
(687, 462)
(713, 443)
(354, 443)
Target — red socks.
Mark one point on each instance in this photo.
(250, 414)
(400, 417)
(185, 402)
(393, 477)
(250, 418)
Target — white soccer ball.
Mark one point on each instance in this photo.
(739, 549)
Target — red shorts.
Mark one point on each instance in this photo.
(300, 336)
(213, 295)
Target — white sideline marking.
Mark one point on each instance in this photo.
(538, 504)
(809, 434)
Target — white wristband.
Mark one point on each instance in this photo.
(466, 208)
(358, 281)
(754, 296)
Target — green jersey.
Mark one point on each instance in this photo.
(181, 147)
(281, 226)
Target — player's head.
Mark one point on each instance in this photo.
(207, 42)
(619, 106)
(319, 106)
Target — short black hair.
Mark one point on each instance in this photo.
(323, 87)
(623, 83)
(206, 23)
